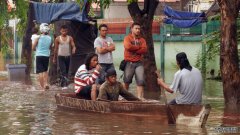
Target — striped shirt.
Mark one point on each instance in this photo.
(84, 77)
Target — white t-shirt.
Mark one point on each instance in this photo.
(189, 84)
(106, 58)
(34, 37)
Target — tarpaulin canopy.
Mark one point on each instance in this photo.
(50, 12)
(183, 23)
(183, 19)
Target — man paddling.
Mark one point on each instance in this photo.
(111, 88)
(188, 81)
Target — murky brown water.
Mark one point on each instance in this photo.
(24, 109)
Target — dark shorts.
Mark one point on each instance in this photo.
(103, 71)
(134, 68)
(42, 64)
(85, 92)
(173, 102)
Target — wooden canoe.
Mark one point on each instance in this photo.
(192, 115)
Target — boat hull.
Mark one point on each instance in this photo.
(181, 113)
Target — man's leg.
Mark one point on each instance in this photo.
(40, 79)
(140, 92)
(139, 76)
(67, 61)
(45, 77)
(128, 74)
(126, 86)
(101, 78)
(62, 67)
(94, 92)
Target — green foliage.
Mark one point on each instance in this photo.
(212, 42)
(6, 37)
(103, 3)
(131, 1)
(214, 17)
(21, 12)
(3, 16)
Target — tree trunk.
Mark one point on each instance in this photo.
(145, 18)
(228, 51)
(231, 116)
(26, 57)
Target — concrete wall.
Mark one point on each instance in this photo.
(120, 10)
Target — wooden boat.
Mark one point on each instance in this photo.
(192, 115)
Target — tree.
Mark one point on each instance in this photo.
(228, 52)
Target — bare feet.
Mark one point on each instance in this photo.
(46, 87)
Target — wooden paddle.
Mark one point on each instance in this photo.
(170, 115)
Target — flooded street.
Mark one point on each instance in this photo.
(25, 109)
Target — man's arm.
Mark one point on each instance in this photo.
(99, 48)
(34, 45)
(73, 45)
(128, 46)
(127, 95)
(164, 85)
(143, 48)
(56, 45)
(111, 47)
(102, 93)
(102, 50)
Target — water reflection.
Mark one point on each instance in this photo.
(96, 123)
(231, 116)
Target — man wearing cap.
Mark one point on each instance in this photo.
(188, 81)
(111, 88)
(42, 47)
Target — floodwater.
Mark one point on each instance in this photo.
(26, 110)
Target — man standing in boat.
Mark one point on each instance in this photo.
(111, 88)
(188, 81)
(104, 47)
(134, 49)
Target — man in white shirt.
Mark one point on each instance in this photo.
(104, 47)
(188, 81)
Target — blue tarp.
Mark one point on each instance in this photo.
(183, 23)
(183, 19)
(50, 12)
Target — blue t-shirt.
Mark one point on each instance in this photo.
(43, 46)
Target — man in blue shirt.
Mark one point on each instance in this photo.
(42, 47)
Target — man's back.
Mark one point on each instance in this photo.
(190, 86)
